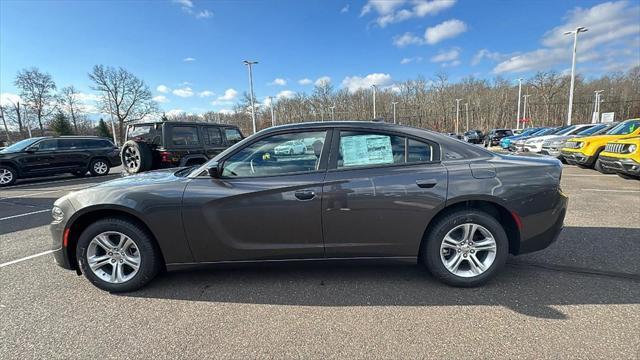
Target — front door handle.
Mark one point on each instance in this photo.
(427, 183)
(305, 194)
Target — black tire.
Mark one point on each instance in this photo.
(598, 166)
(99, 167)
(439, 229)
(142, 159)
(9, 175)
(150, 258)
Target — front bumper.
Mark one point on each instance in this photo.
(578, 158)
(532, 147)
(625, 166)
(551, 151)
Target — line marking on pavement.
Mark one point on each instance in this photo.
(40, 193)
(613, 190)
(26, 258)
(60, 181)
(27, 214)
(581, 175)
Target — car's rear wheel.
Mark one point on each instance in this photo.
(99, 167)
(117, 255)
(466, 248)
(7, 175)
(136, 157)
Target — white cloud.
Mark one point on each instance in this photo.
(174, 112)
(445, 30)
(612, 27)
(407, 39)
(206, 93)
(184, 3)
(160, 99)
(279, 82)
(322, 81)
(8, 99)
(345, 9)
(486, 54)
(226, 111)
(183, 92)
(449, 55)
(410, 60)
(204, 14)
(229, 95)
(354, 83)
(285, 94)
(189, 59)
(163, 89)
(393, 11)
(305, 81)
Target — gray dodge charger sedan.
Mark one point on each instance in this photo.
(358, 191)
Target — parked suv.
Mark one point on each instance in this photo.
(473, 136)
(157, 145)
(495, 135)
(43, 156)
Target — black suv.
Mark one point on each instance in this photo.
(494, 136)
(156, 145)
(44, 156)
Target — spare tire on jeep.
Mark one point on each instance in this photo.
(136, 157)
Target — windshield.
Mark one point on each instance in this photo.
(567, 130)
(625, 128)
(20, 145)
(529, 131)
(592, 130)
(546, 131)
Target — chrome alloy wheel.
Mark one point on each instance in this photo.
(131, 157)
(6, 176)
(468, 250)
(100, 167)
(113, 257)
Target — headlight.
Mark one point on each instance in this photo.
(632, 148)
(581, 145)
(57, 213)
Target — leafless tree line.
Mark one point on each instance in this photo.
(431, 103)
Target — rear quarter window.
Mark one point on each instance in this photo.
(184, 136)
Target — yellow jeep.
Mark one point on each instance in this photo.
(585, 151)
(622, 157)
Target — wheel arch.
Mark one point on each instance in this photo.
(82, 219)
(490, 205)
(12, 165)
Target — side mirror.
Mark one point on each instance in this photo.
(215, 170)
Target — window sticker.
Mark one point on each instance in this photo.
(361, 150)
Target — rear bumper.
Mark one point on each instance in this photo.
(115, 160)
(543, 229)
(625, 166)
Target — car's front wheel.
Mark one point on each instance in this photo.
(7, 175)
(117, 255)
(466, 248)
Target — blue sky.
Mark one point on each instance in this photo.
(190, 52)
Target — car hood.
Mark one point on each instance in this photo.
(148, 178)
(602, 138)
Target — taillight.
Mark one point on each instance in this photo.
(165, 156)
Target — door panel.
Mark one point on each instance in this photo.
(382, 211)
(42, 160)
(72, 154)
(254, 218)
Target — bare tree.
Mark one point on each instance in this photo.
(124, 95)
(4, 122)
(36, 89)
(69, 103)
(13, 113)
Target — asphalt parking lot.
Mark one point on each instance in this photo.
(580, 298)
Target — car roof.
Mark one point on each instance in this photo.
(73, 137)
(182, 123)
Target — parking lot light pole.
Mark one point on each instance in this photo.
(466, 109)
(394, 111)
(374, 100)
(253, 108)
(519, 96)
(273, 117)
(524, 112)
(26, 118)
(573, 67)
(333, 117)
(596, 106)
(457, 113)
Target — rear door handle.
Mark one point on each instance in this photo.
(305, 194)
(427, 183)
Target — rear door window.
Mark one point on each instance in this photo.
(71, 144)
(212, 136)
(364, 149)
(233, 135)
(184, 136)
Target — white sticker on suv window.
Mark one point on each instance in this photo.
(360, 150)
